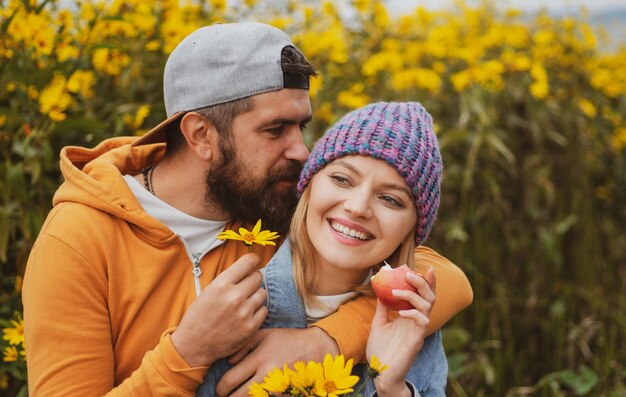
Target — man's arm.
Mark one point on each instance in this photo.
(345, 331)
(350, 325)
(68, 333)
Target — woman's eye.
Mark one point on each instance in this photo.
(340, 180)
(392, 201)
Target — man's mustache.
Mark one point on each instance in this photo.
(291, 173)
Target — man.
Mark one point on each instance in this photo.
(128, 291)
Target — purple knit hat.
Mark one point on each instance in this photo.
(400, 133)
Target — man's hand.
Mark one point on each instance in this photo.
(272, 348)
(225, 315)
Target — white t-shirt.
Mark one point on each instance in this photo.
(198, 235)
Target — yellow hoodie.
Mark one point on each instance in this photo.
(106, 284)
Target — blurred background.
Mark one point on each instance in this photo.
(529, 102)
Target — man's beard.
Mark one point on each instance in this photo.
(230, 187)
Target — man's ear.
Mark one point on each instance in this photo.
(200, 134)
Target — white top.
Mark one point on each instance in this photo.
(198, 235)
(330, 303)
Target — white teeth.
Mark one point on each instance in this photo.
(346, 231)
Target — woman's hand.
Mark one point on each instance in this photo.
(397, 342)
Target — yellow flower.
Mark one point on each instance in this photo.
(354, 97)
(587, 108)
(276, 381)
(81, 81)
(540, 87)
(15, 334)
(375, 367)
(65, 51)
(335, 379)
(257, 390)
(256, 236)
(10, 354)
(109, 61)
(153, 45)
(303, 376)
(417, 78)
(618, 141)
(54, 99)
(219, 5)
(32, 92)
(3, 119)
(136, 121)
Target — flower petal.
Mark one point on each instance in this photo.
(257, 227)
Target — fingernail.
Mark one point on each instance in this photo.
(395, 292)
(413, 276)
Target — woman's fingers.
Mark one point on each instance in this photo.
(416, 300)
(381, 316)
(423, 285)
(418, 317)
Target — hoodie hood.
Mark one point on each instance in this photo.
(95, 178)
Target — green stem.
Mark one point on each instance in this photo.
(358, 391)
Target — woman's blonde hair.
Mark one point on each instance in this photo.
(305, 256)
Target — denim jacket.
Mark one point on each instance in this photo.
(427, 376)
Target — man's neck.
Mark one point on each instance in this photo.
(181, 184)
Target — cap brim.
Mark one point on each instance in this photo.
(158, 133)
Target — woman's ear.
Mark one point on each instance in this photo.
(200, 134)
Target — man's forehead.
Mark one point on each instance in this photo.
(287, 104)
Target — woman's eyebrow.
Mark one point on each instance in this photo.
(347, 165)
(395, 186)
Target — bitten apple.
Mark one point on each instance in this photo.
(388, 279)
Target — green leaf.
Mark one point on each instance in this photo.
(582, 382)
(455, 338)
(501, 148)
(457, 364)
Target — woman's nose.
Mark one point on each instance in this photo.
(358, 205)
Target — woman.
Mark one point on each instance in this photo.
(369, 193)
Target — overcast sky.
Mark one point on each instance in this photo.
(557, 6)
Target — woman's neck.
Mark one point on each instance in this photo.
(332, 280)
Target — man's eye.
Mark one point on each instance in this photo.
(275, 131)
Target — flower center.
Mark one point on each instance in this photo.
(330, 386)
(248, 238)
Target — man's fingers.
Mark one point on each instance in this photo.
(242, 391)
(240, 373)
(240, 354)
(239, 269)
(250, 285)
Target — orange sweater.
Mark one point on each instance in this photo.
(106, 284)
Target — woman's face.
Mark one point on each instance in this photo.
(360, 210)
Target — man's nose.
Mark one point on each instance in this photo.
(296, 150)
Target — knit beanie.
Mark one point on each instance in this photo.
(400, 133)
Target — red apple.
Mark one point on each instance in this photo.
(388, 279)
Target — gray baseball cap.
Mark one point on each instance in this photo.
(222, 63)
